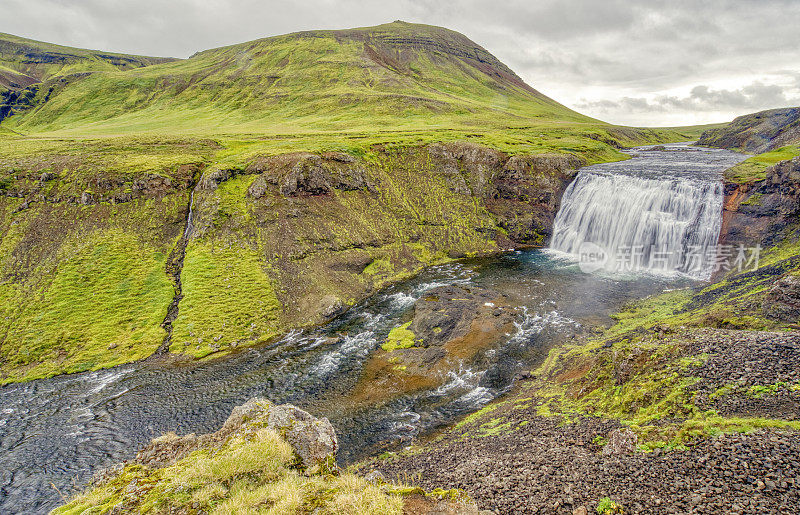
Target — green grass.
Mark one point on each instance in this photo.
(606, 506)
(250, 473)
(102, 306)
(229, 300)
(754, 168)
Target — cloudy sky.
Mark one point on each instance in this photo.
(641, 63)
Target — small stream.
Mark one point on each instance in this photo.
(54, 433)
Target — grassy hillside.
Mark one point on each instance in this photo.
(398, 75)
(759, 132)
(36, 61)
(31, 72)
(754, 168)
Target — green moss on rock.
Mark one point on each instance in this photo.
(401, 337)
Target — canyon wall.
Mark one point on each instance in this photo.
(98, 267)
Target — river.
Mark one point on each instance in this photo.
(55, 433)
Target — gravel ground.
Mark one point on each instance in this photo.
(547, 467)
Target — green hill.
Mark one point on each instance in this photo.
(397, 75)
(25, 64)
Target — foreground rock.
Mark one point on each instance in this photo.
(266, 458)
(547, 467)
(313, 440)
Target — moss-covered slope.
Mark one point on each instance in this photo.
(758, 132)
(85, 243)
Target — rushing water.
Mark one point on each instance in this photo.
(649, 213)
(55, 433)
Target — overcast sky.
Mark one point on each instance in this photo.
(639, 63)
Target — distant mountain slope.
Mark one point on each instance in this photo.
(24, 63)
(758, 132)
(389, 76)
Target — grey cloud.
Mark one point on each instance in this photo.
(753, 97)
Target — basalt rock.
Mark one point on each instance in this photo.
(305, 174)
(760, 212)
(523, 192)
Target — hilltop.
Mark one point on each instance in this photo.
(757, 133)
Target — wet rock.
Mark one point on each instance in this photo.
(621, 441)
(452, 327)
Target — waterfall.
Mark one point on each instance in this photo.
(189, 217)
(621, 222)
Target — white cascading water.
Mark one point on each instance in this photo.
(668, 225)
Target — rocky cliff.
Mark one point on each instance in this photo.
(762, 212)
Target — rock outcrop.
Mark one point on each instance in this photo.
(757, 132)
(266, 458)
(760, 212)
(523, 192)
(782, 302)
(452, 326)
(312, 439)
